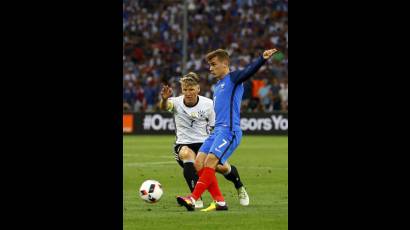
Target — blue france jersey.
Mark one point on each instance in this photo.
(228, 96)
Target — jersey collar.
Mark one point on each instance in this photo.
(190, 106)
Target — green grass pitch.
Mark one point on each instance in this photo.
(262, 162)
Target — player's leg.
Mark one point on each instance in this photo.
(231, 173)
(224, 148)
(219, 203)
(220, 148)
(206, 178)
(207, 174)
(188, 201)
(195, 148)
(187, 156)
(199, 162)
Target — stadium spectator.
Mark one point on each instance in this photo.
(152, 43)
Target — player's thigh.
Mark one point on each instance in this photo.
(199, 160)
(211, 161)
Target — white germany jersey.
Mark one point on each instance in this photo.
(192, 124)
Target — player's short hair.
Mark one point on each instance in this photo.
(190, 79)
(220, 53)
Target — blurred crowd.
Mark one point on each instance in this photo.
(153, 44)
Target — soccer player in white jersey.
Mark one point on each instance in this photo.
(194, 119)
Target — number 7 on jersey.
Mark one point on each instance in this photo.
(222, 143)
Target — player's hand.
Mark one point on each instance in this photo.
(268, 53)
(166, 92)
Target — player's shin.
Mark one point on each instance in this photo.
(215, 191)
(204, 181)
(233, 176)
(190, 174)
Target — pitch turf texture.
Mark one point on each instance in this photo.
(262, 162)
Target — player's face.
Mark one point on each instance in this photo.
(190, 93)
(217, 67)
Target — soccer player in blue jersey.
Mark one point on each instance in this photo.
(219, 146)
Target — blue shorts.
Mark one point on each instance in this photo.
(222, 143)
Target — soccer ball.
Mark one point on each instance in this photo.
(151, 191)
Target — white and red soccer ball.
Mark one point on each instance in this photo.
(151, 191)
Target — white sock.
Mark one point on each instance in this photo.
(221, 203)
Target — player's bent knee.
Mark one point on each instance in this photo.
(199, 161)
(186, 154)
(222, 168)
(198, 165)
(211, 161)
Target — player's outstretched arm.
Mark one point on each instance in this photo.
(166, 92)
(252, 68)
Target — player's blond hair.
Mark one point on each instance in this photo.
(220, 53)
(190, 79)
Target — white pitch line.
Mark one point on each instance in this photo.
(263, 167)
(137, 164)
(170, 156)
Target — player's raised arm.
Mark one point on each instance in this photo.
(252, 68)
(166, 92)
